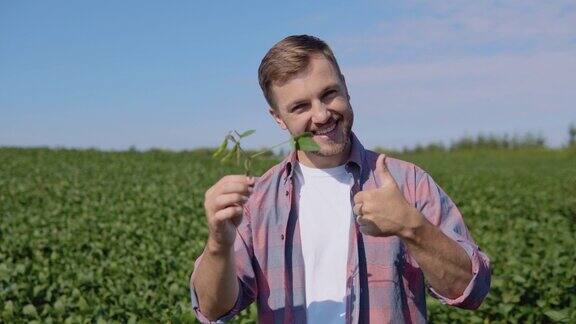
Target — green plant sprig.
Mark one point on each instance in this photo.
(303, 142)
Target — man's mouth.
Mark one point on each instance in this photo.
(327, 130)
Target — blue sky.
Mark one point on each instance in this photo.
(180, 74)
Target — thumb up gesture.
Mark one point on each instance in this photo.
(384, 211)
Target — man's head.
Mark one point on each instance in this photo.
(306, 91)
(289, 57)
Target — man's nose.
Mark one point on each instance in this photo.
(320, 113)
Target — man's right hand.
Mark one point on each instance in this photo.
(215, 278)
(223, 204)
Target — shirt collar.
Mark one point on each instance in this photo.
(354, 162)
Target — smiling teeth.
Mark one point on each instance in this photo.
(322, 132)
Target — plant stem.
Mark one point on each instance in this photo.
(268, 149)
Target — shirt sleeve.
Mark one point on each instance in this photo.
(441, 211)
(245, 273)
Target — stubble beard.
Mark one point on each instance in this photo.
(337, 148)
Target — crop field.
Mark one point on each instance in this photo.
(91, 236)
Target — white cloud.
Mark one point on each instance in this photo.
(451, 68)
(455, 27)
(469, 79)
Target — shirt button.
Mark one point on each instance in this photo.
(282, 236)
(286, 193)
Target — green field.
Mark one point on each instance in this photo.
(112, 236)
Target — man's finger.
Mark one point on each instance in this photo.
(358, 197)
(238, 178)
(382, 172)
(235, 187)
(357, 209)
(362, 221)
(230, 199)
(229, 213)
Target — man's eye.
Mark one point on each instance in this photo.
(298, 107)
(330, 93)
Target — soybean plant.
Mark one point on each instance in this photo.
(303, 142)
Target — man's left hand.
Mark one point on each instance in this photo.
(384, 211)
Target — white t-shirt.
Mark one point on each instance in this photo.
(325, 213)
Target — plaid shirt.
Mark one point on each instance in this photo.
(384, 283)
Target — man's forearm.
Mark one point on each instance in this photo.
(216, 283)
(444, 263)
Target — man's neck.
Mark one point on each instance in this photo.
(314, 160)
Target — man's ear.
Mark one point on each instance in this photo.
(277, 118)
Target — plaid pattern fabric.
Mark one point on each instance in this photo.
(384, 283)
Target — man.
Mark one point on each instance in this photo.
(334, 236)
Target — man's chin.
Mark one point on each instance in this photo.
(330, 150)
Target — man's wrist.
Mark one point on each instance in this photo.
(413, 227)
(215, 248)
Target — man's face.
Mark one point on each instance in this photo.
(316, 100)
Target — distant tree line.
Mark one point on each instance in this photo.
(491, 142)
(500, 142)
(572, 135)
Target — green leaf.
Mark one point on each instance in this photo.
(9, 309)
(230, 154)
(247, 133)
(304, 142)
(4, 272)
(30, 310)
(557, 315)
(247, 165)
(518, 279)
(174, 288)
(59, 306)
(133, 319)
(222, 148)
(37, 290)
(238, 155)
(82, 304)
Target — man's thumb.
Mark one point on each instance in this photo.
(382, 172)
